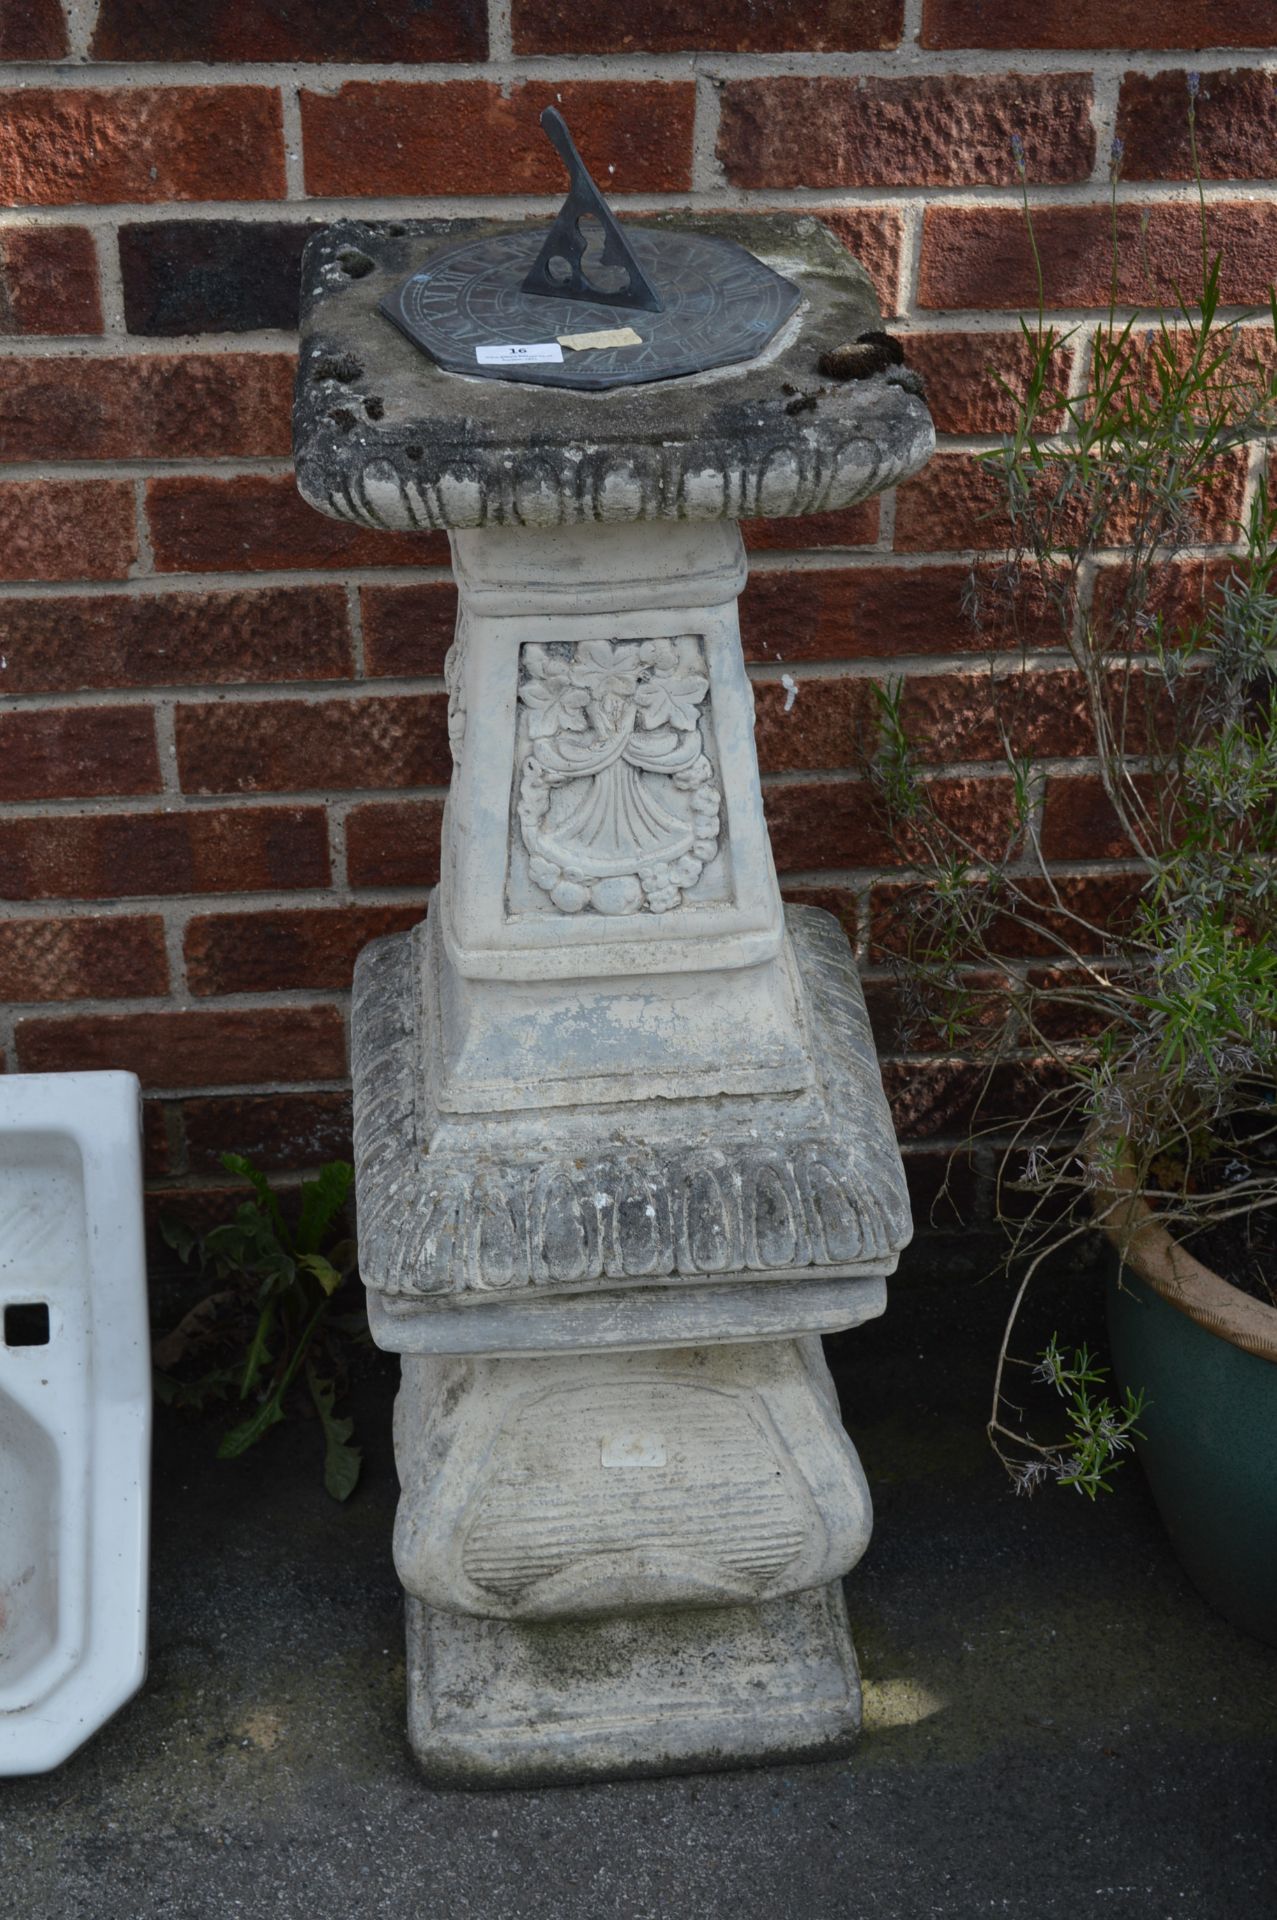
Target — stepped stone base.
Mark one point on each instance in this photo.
(497, 1703)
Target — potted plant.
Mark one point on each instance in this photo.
(1146, 1026)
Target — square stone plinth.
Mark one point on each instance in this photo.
(384, 437)
(663, 1222)
(495, 1703)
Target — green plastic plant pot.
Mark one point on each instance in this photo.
(1209, 1448)
(1205, 1355)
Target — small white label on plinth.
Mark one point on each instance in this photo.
(628, 1448)
(541, 352)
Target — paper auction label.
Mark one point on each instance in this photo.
(537, 352)
(609, 337)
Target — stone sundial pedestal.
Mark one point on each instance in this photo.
(622, 1149)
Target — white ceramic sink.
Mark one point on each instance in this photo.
(75, 1411)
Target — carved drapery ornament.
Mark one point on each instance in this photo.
(618, 804)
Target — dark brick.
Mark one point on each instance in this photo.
(65, 530)
(205, 1048)
(933, 1098)
(1236, 125)
(942, 130)
(394, 843)
(234, 30)
(849, 527)
(1071, 913)
(875, 237)
(83, 959)
(211, 276)
(732, 26)
(32, 30)
(288, 746)
(266, 951)
(49, 281)
(818, 726)
(840, 901)
(278, 1132)
(959, 716)
(873, 613)
(1152, 24)
(976, 382)
(476, 137)
(981, 257)
(157, 1153)
(61, 752)
(173, 639)
(154, 406)
(1079, 822)
(258, 522)
(958, 502)
(111, 856)
(408, 630)
(61, 146)
(839, 823)
(901, 1027)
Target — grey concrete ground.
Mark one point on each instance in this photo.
(1055, 1723)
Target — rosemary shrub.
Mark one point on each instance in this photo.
(1150, 1037)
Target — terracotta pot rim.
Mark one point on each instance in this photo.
(1129, 1223)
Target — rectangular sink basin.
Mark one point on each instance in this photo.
(75, 1411)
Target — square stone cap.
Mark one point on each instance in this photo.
(385, 438)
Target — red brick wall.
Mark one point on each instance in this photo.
(223, 752)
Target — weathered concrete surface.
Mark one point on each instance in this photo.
(384, 437)
(1055, 1725)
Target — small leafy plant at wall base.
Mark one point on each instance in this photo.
(268, 1327)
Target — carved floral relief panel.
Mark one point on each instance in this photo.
(618, 799)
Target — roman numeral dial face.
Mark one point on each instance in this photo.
(719, 305)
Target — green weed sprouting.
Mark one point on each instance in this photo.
(1098, 1430)
(268, 1322)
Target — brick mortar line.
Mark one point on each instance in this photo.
(237, 1090)
(906, 61)
(159, 802)
(177, 801)
(274, 467)
(261, 342)
(921, 666)
(1105, 98)
(143, 567)
(81, 18)
(976, 664)
(939, 770)
(175, 957)
(106, 245)
(500, 31)
(185, 907)
(161, 583)
(324, 209)
(164, 709)
(858, 559)
(909, 265)
(212, 1002)
(355, 620)
(181, 910)
(856, 879)
(708, 176)
(248, 693)
(291, 128)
